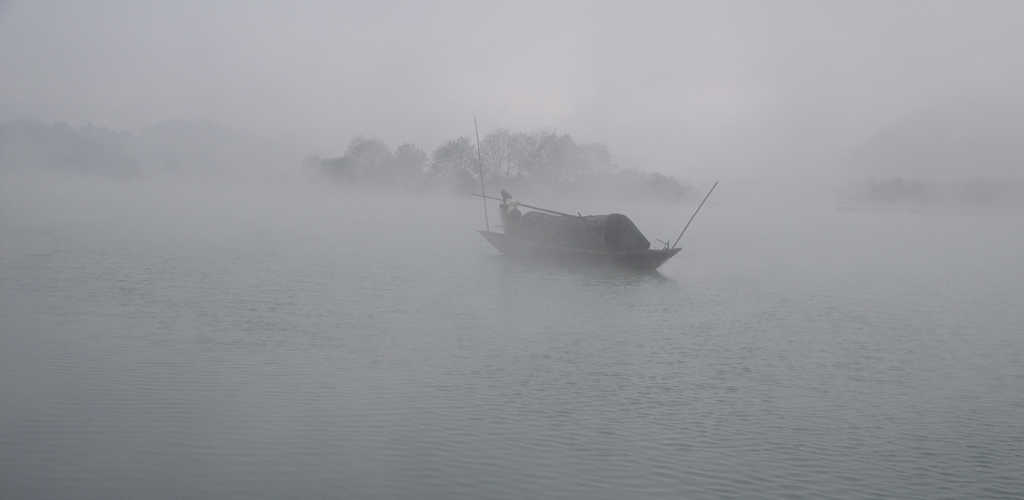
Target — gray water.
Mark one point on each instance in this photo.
(239, 342)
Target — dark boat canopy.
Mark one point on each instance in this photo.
(604, 233)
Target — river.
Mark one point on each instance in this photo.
(189, 340)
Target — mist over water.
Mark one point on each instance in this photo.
(238, 258)
(180, 339)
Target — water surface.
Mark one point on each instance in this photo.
(192, 341)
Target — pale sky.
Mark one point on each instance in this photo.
(700, 90)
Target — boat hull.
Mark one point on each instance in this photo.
(634, 259)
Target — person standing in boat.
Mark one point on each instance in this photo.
(509, 218)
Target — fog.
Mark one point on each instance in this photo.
(194, 337)
(239, 259)
(698, 90)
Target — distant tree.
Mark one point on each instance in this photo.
(665, 188)
(541, 160)
(596, 159)
(896, 190)
(649, 186)
(368, 156)
(544, 155)
(407, 167)
(455, 159)
(334, 167)
(555, 158)
(506, 153)
(312, 163)
(365, 159)
(410, 158)
(29, 144)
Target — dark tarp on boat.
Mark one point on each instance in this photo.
(607, 233)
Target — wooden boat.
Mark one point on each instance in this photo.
(598, 239)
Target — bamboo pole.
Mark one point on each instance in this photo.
(530, 206)
(480, 165)
(694, 215)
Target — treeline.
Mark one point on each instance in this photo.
(30, 145)
(538, 163)
(169, 147)
(541, 161)
(896, 190)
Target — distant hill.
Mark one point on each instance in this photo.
(978, 140)
(173, 146)
(30, 145)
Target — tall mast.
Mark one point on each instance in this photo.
(694, 215)
(480, 165)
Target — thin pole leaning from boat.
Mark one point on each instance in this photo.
(485, 197)
(694, 215)
(480, 165)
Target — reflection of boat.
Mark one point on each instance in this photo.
(602, 239)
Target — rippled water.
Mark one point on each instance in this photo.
(281, 343)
